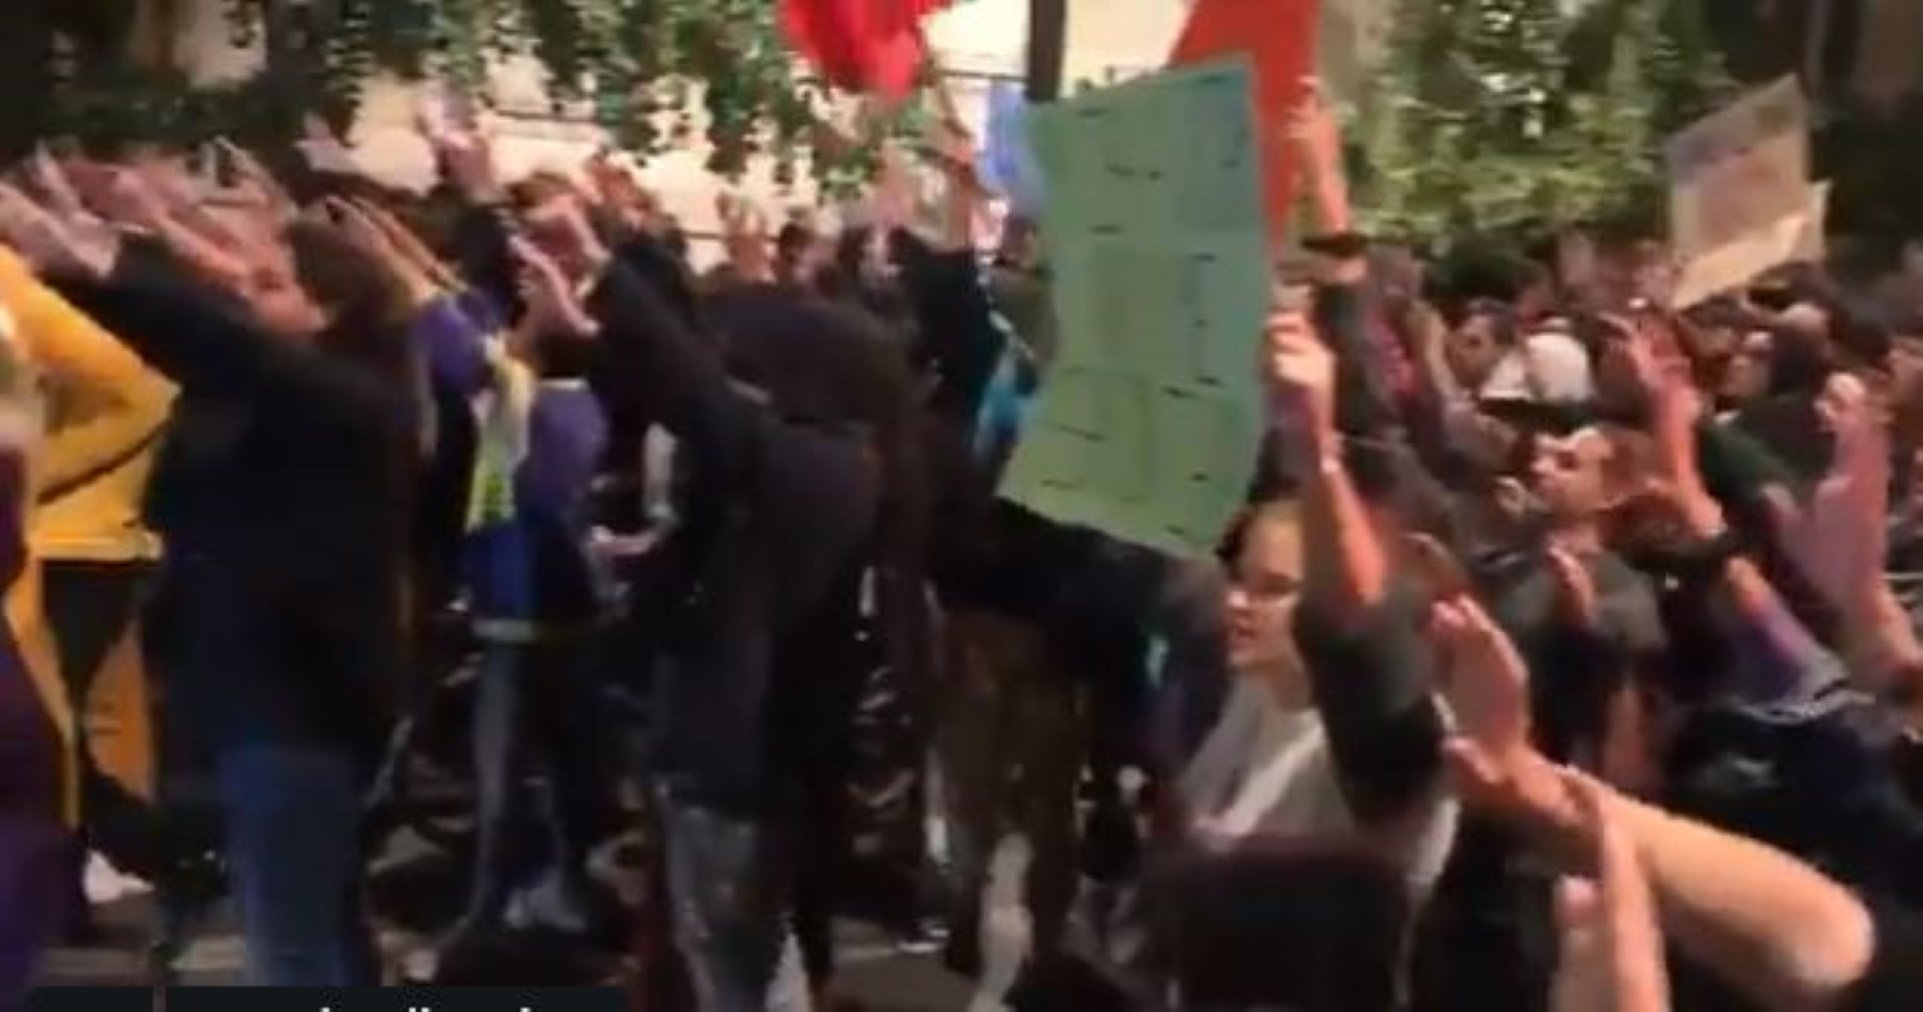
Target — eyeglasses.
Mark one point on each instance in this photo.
(1268, 588)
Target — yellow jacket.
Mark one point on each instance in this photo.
(103, 410)
(104, 414)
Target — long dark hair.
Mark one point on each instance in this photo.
(368, 303)
(371, 320)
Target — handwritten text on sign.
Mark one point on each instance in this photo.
(1148, 422)
(1740, 169)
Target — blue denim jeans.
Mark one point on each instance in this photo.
(533, 709)
(293, 815)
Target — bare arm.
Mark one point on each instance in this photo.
(1317, 138)
(1360, 644)
(1763, 921)
(1769, 924)
(1345, 568)
(1768, 631)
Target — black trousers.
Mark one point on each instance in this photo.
(89, 606)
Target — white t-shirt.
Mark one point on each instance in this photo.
(1267, 770)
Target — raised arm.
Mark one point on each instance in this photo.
(1347, 569)
(1363, 406)
(1365, 658)
(123, 197)
(961, 332)
(182, 332)
(1777, 655)
(1765, 922)
(133, 290)
(651, 361)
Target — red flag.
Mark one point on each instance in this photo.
(1279, 37)
(861, 45)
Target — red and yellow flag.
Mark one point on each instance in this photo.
(869, 46)
(1279, 37)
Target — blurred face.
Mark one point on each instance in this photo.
(1261, 600)
(1711, 344)
(1748, 375)
(1906, 372)
(1913, 258)
(558, 228)
(1472, 351)
(1569, 475)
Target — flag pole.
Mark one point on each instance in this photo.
(1047, 44)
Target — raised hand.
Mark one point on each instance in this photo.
(1662, 379)
(1611, 956)
(1491, 762)
(49, 244)
(1313, 130)
(1853, 413)
(1435, 566)
(468, 160)
(355, 224)
(744, 234)
(552, 307)
(352, 220)
(255, 180)
(560, 227)
(1302, 371)
(46, 174)
(618, 191)
(1483, 676)
(952, 146)
(120, 196)
(1316, 139)
(409, 246)
(169, 181)
(1576, 600)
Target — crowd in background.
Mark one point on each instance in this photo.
(1565, 656)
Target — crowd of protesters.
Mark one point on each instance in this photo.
(1563, 658)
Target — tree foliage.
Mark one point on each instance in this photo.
(652, 71)
(1498, 120)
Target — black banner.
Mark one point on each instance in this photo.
(321, 999)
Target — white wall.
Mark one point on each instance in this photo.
(1110, 40)
(975, 40)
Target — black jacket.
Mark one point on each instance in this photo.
(777, 515)
(281, 496)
